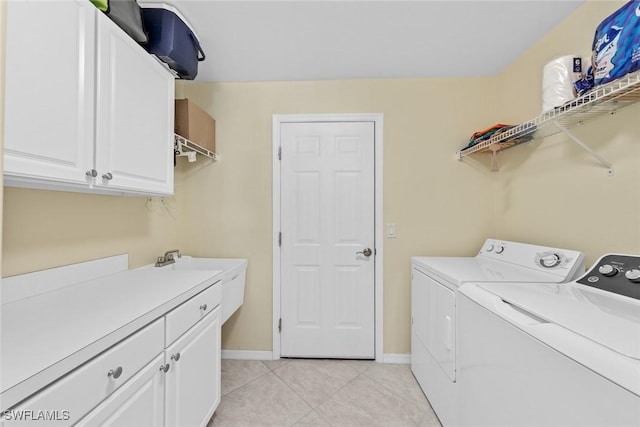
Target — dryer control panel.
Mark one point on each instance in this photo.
(567, 264)
(615, 273)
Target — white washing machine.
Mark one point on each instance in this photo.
(434, 288)
(552, 355)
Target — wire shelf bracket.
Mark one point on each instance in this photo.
(585, 147)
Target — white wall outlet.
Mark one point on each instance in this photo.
(391, 230)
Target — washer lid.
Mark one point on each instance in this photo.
(606, 318)
(459, 270)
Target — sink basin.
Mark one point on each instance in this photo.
(234, 273)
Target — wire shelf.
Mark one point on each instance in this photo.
(603, 100)
(186, 147)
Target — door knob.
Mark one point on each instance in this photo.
(366, 252)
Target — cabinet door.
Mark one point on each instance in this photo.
(49, 106)
(139, 402)
(134, 123)
(193, 380)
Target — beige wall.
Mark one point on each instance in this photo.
(440, 205)
(552, 191)
(547, 192)
(44, 229)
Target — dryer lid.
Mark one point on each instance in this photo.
(459, 270)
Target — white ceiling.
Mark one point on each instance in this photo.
(320, 40)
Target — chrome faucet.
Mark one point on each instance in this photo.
(169, 257)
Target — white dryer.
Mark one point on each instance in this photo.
(551, 355)
(434, 287)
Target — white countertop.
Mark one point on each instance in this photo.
(47, 335)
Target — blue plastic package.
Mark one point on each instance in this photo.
(616, 45)
(585, 83)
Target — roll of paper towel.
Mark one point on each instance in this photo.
(557, 81)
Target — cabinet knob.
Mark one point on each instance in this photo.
(175, 357)
(107, 176)
(92, 173)
(165, 368)
(203, 307)
(115, 373)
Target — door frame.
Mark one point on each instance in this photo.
(377, 120)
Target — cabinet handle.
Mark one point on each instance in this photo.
(165, 368)
(115, 373)
(92, 173)
(175, 357)
(107, 176)
(234, 277)
(203, 307)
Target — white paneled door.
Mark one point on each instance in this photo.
(327, 243)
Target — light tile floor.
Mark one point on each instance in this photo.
(318, 392)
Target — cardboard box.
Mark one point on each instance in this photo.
(195, 124)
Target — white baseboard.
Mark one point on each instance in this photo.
(247, 355)
(398, 358)
(404, 359)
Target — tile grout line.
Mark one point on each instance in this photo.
(339, 389)
(269, 371)
(248, 382)
(401, 397)
(296, 393)
(366, 373)
(358, 373)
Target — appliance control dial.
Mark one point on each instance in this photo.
(607, 270)
(489, 247)
(499, 249)
(550, 260)
(633, 275)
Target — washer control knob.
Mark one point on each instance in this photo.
(489, 247)
(633, 275)
(550, 260)
(607, 270)
(499, 249)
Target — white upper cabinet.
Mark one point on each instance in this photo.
(86, 108)
(134, 105)
(49, 107)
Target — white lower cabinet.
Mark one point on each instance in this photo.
(75, 394)
(193, 379)
(143, 380)
(140, 402)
